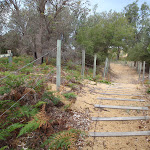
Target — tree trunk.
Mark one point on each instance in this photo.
(38, 42)
(118, 53)
(38, 36)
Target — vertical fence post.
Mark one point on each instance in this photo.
(105, 67)
(149, 74)
(83, 63)
(94, 67)
(58, 65)
(9, 57)
(140, 68)
(143, 70)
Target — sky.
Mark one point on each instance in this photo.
(115, 5)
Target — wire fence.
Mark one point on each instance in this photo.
(25, 94)
(140, 67)
(80, 60)
(27, 65)
(25, 75)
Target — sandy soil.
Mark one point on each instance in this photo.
(124, 81)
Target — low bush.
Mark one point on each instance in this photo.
(148, 91)
(14, 81)
(70, 95)
(63, 140)
(50, 96)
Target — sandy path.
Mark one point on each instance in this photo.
(125, 81)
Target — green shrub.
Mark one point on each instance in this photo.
(4, 60)
(28, 111)
(4, 104)
(105, 81)
(40, 85)
(63, 140)
(70, 95)
(50, 96)
(11, 67)
(7, 132)
(4, 90)
(89, 78)
(52, 61)
(148, 91)
(72, 85)
(14, 81)
(67, 106)
(97, 78)
(24, 59)
(16, 113)
(27, 70)
(38, 104)
(69, 77)
(72, 66)
(29, 127)
(3, 148)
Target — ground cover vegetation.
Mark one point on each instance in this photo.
(38, 113)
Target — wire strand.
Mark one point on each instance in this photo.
(23, 96)
(85, 54)
(27, 65)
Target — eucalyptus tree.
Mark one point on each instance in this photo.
(40, 22)
(110, 31)
(140, 17)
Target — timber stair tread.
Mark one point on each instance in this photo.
(121, 99)
(120, 118)
(120, 94)
(119, 134)
(120, 107)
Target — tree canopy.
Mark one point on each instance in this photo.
(110, 34)
(33, 26)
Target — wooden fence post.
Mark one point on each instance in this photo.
(143, 70)
(83, 63)
(9, 57)
(140, 68)
(94, 67)
(149, 74)
(58, 65)
(105, 69)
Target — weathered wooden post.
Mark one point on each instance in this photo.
(83, 63)
(107, 66)
(143, 70)
(140, 68)
(105, 69)
(149, 74)
(94, 66)
(58, 65)
(9, 57)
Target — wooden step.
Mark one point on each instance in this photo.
(120, 118)
(120, 107)
(120, 99)
(118, 134)
(119, 94)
